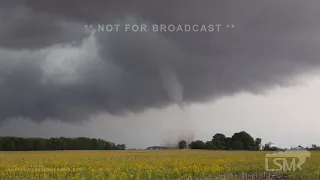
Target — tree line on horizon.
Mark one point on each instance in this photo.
(239, 141)
(62, 143)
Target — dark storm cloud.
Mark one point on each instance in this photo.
(273, 42)
(21, 27)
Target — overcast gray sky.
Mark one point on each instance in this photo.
(58, 78)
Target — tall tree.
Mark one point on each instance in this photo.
(257, 143)
(219, 136)
(245, 138)
(182, 144)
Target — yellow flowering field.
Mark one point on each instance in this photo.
(164, 164)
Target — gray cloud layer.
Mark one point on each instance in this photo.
(50, 67)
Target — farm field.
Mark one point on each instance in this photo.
(163, 164)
